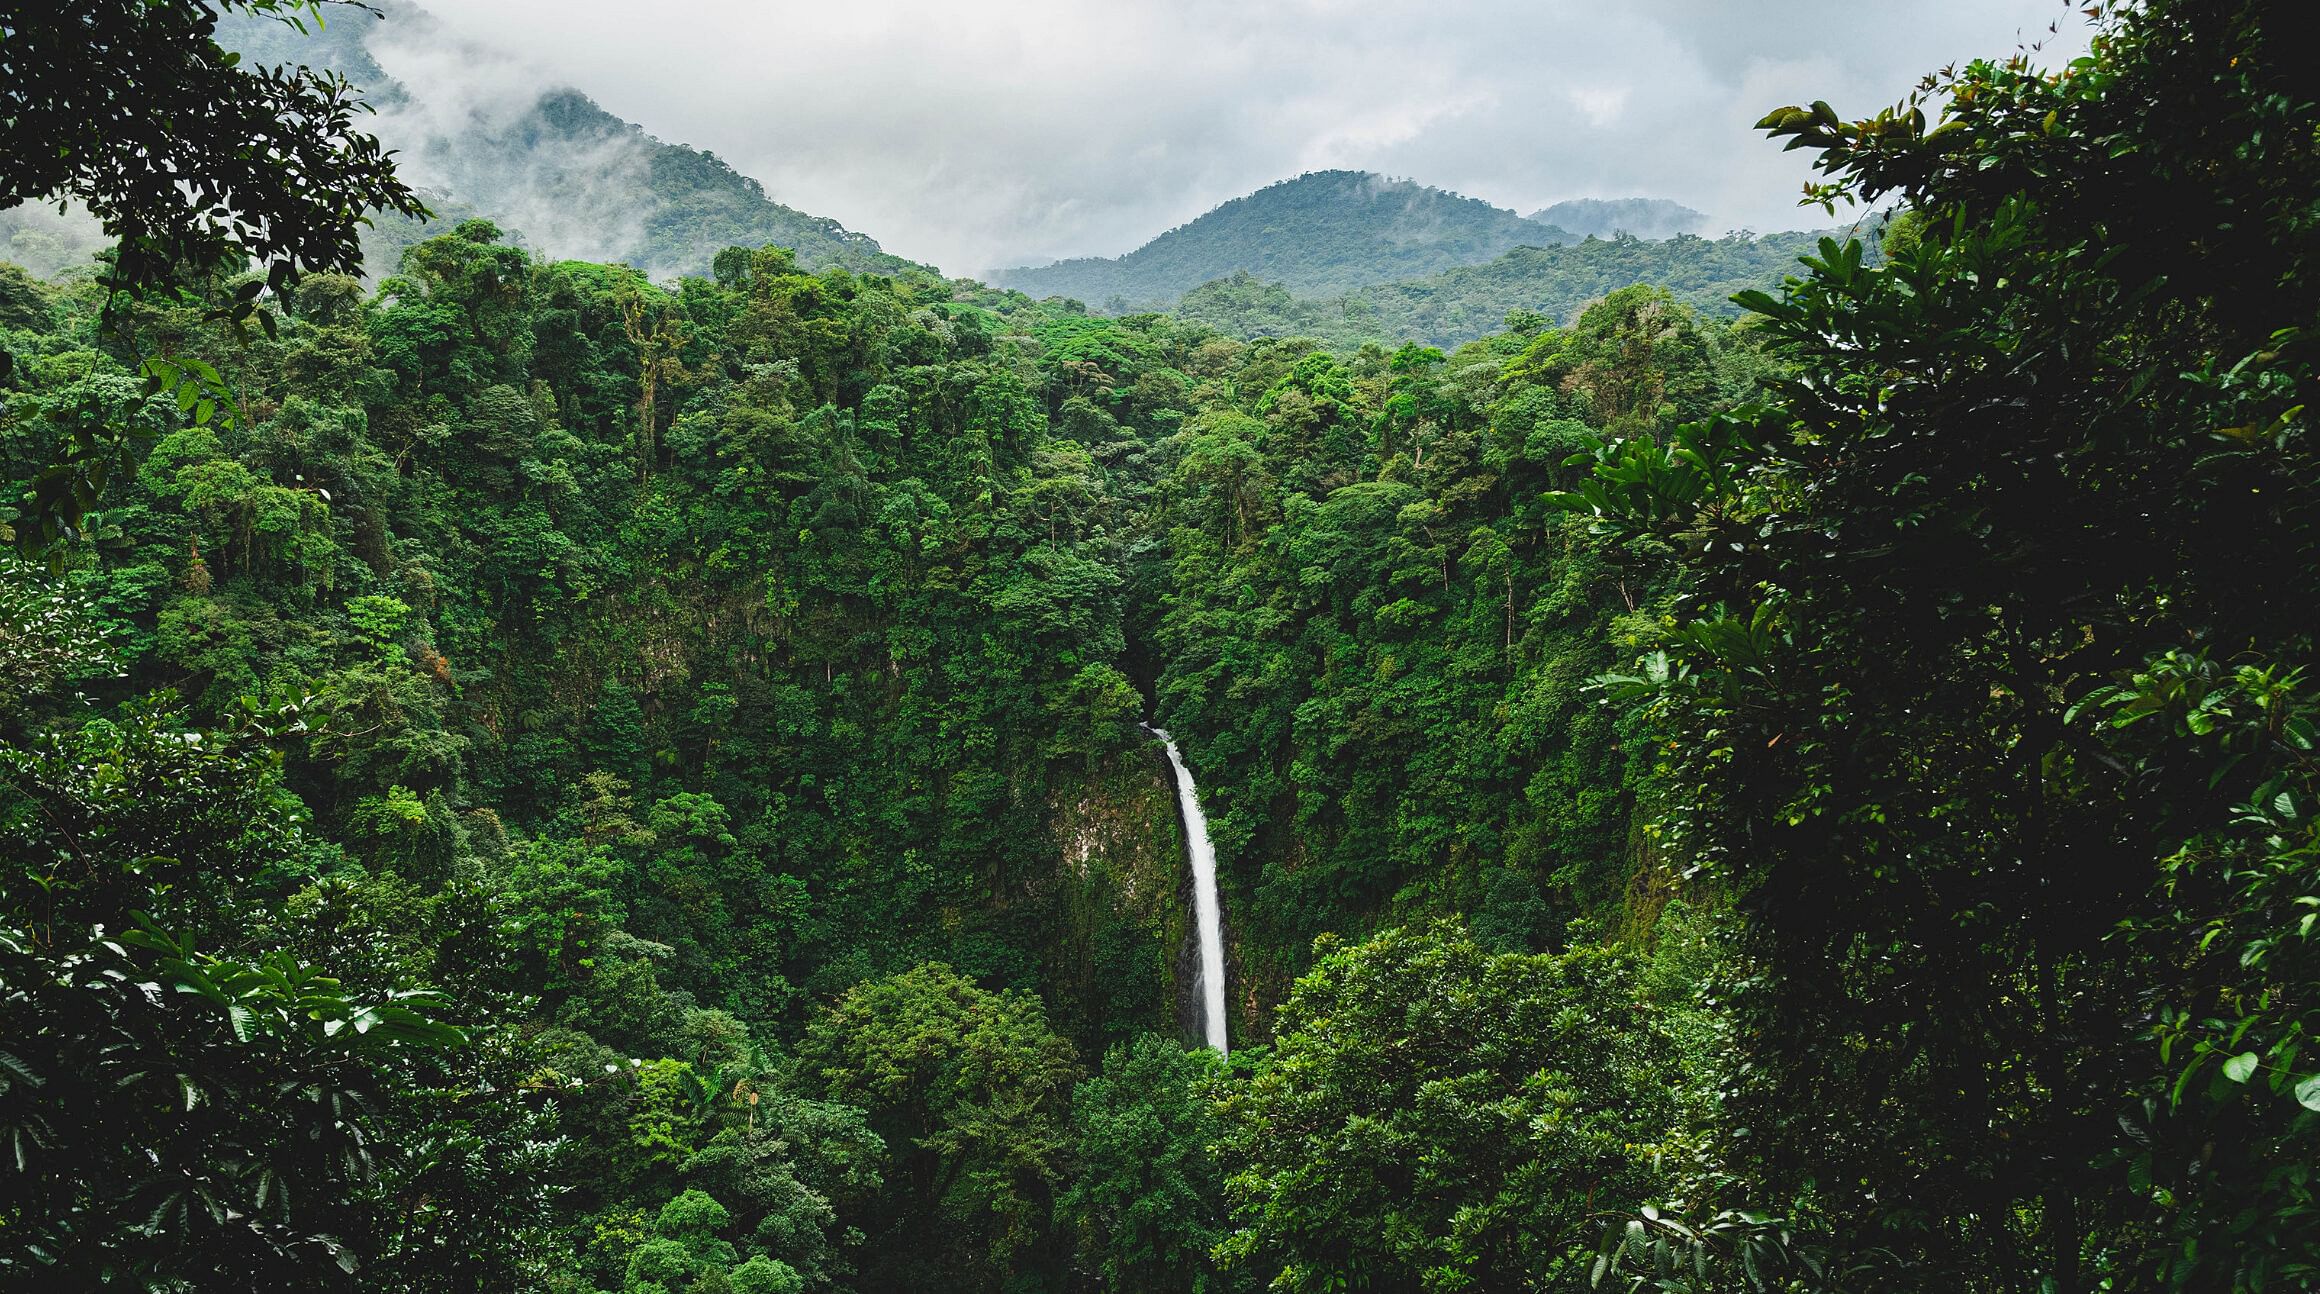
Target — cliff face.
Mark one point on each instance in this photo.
(1118, 962)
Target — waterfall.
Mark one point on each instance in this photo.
(1204, 903)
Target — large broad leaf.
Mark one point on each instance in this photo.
(2308, 1093)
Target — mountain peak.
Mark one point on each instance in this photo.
(1319, 232)
(480, 135)
(1607, 217)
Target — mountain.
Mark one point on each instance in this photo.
(1470, 301)
(1608, 217)
(47, 242)
(482, 135)
(1322, 232)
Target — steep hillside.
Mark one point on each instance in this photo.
(525, 778)
(1322, 232)
(1470, 301)
(48, 242)
(480, 135)
(1608, 217)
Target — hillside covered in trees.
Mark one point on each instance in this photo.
(1462, 304)
(516, 775)
(1321, 232)
(1352, 258)
(776, 643)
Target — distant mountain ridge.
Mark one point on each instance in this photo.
(1610, 217)
(1469, 301)
(550, 165)
(1321, 232)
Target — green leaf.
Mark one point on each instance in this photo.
(2308, 1092)
(2240, 1067)
(22, 1071)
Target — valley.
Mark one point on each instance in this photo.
(568, 727)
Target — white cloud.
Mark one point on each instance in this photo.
(1600, 105)
(1002, 132)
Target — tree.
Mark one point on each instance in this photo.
(968, 1090)
(1637, 356)
(195, 165)
(686, 1246)
(1147, 1192)
(175, 1116)
(189, 158)
(1988, 698)
(1435, 1117)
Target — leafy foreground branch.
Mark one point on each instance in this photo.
(712, 850)
(1990, 696)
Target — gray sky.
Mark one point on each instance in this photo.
(982, 133)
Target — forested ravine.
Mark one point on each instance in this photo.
(518, 776)
(718, 688)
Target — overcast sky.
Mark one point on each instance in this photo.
(982, 133)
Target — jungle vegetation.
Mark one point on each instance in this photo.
(522, 776)
(1466, 302)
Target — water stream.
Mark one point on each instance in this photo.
(1204, 904)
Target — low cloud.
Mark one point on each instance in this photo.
(465, 129)
(1018, 131)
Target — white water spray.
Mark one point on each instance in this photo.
(1204, 904)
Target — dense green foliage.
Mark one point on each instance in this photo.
(1377, 636)
(1436, 1118)
(1990, 698)
(968, 1090)
(1458, 305)
(745, 648)
(187, 161)
(1147, 1202)
(187, 1099)
(535, 779)
(1322, 232)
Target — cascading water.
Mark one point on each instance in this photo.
(1204, 903)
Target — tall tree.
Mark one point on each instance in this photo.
(1990, 699)
(1435, 1117)
(1147, 1195)
(193, 162)
(133, 109)
(968, 1088)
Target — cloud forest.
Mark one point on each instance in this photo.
(1372, 743)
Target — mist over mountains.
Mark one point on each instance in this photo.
(1344, 255)
(1611, 217)
(480, 133)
